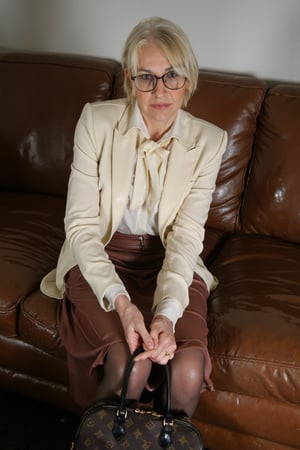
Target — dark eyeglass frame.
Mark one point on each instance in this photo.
(155, 79)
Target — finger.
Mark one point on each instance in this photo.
(143, 356)
(164, 358)
(146, 338)
(133, 343)
(155, 337)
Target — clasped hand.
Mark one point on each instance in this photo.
(159, 342)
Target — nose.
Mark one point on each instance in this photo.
(160, 88)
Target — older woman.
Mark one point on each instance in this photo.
(141, 184)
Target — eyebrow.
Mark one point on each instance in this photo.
(141, 69)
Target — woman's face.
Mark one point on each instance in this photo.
(160, 106)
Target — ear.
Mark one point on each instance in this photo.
(129, 83)
(187, 93)
(127, 75)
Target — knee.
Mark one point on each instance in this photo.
(116, 361)
(188, 381)
(138, 378)
(187, 375)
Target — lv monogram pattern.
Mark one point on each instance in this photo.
(142, 431)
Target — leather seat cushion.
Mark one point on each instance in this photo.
(254, 318)
(31, 235)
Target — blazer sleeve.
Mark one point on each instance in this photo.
(83, 221)
(184, 239)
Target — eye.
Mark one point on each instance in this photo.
(146, 77)
(171, 74)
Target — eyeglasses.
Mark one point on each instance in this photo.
(148, 82)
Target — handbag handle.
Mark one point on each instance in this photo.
(165, 438)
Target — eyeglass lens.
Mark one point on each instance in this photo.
(148, 82)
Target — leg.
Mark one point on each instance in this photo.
(114, 368)
(187, 372)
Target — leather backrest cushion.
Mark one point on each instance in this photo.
(272, 202)
(232, 102)
(41, 97)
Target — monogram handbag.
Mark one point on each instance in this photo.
(115, 425)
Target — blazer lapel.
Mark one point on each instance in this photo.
(123, 160)
(177, 182)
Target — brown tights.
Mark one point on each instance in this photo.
(187, 368)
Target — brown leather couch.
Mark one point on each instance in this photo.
(251, 244)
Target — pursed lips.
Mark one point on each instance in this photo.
(160, 105)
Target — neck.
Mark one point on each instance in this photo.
(157, 133)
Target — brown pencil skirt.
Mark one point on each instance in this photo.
(88, 332)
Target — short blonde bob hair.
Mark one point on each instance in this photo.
(172, 40)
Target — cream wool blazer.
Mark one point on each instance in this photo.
(101, 175)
